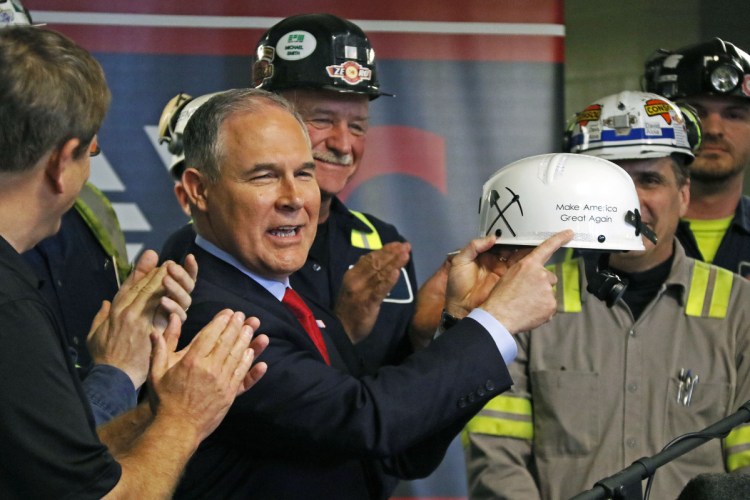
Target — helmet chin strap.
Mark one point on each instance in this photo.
(634, 218)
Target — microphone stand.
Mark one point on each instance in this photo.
(626, 484)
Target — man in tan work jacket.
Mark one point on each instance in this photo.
(599, 387)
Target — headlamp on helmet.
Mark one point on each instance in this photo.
(715, 67)
(724, 78)
(529, 200)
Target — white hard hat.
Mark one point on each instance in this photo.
(633, 125)
(529, 200)
(13, 13)
(172, 124)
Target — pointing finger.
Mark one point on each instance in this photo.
(544, 252)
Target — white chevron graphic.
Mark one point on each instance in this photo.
(131, 218)
(104, 176)
(133, 249)
(152, 132)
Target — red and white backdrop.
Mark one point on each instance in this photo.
(478, 84)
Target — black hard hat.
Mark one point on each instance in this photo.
(318, 51)
(715, 67)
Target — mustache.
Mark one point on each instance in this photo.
(345, 160)
(714, 140)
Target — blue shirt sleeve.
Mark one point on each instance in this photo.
(110, 392)
(505, 342)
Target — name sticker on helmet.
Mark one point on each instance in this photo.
(656, 107)
(296, 45)
(351, 72)
(591, 113)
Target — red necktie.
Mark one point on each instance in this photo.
(305, 316)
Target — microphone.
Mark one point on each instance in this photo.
(625, 485)
(726, 486)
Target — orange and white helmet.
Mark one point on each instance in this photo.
(529, 200)
(631, 125)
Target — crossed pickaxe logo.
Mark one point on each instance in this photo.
(494, 198)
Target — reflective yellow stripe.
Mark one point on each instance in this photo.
(98, 214)
(510, 404)
(720, 291)
(495, 425)
(498, 427)
(567, 273)
(571, 287)
(361, 239)
(738, 437)
(698, 286)
(568, 255)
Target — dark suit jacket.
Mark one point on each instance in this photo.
(308, 430)
(321, 277)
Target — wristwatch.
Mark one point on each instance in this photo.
(446, 321)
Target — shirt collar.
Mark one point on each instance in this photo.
(276, 288)
(12, 259)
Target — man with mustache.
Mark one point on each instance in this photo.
(599, 387)
(714, 78)
(359, 266)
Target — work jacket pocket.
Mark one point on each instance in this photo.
(566, 412)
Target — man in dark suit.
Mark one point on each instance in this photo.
(316, 428)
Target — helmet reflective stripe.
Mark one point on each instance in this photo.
(505, 416)
(631, 125)
(710, 288)
(316, 51)
(529, 200)
(362, 239)
(737, 448)
(714, 67)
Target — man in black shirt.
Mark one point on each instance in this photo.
(53, 98)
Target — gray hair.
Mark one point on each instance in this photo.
(681, 169)
(204, 149)
(51, 91)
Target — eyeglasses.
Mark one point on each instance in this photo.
(94, 148)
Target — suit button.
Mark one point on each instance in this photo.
(480, 392)
(316, 267)
(489, 385)
(472, 397)
(462, 402)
